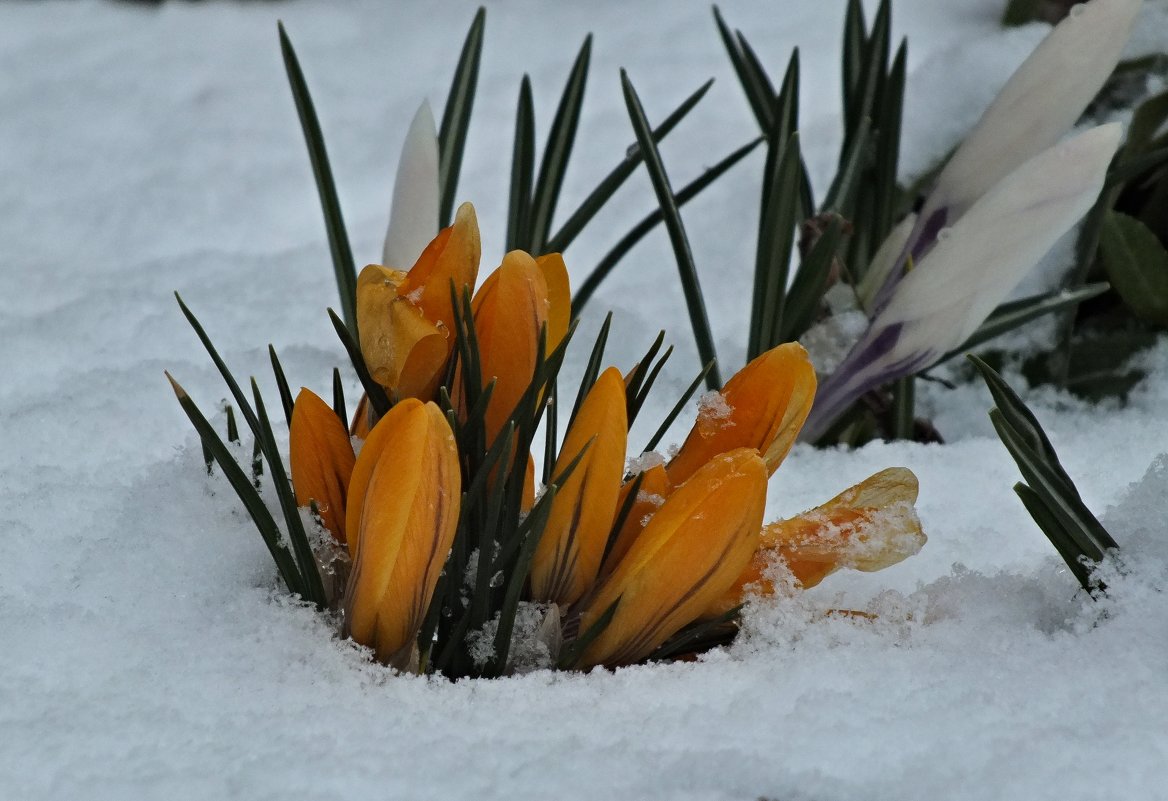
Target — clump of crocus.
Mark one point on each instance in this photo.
(434, 500)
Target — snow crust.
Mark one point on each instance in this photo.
(146, 649)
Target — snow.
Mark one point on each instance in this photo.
(147, 652)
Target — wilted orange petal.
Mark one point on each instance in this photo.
(321, 458)
(654, 489)
(555, 275)
(763, 407)
(867, 527)
(407, 527)
(367, 460)
(453, 256)
(691, 552)
(568, 556)
(510, 308)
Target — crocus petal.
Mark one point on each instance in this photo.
(763, 407)
(362, 421)
(568, 556)
(510, 308)
(321, 458)
(404, 351)
(413, 217)
(692, 551)
(1038, 105)
(527, 499)
(452, 257)
(407, 527)
(555, 275)
(868, 527)
(654, 489)
(368, 459)
(972, 269)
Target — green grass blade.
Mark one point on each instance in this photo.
(1012, 315)
(228, 378)
(339, 399)
(760, 104)
(687, 270)
(638, 232)
(575, 649)
(305, 559)
(248, 495)
(522, 169)
(805, 296)
(778, 220)
(557, 151)
(282, 385)
(334, 222)
(854, 47)
(592, 369)
(903, 408)
(888, 113)
(637, 402)
(852, 163)
(615, 179)
(675, 412)
(377, 396)
(456, 116)
(1041, 514)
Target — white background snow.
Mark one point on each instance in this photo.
(145, 651)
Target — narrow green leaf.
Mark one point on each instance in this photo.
(456, 116)
(575, 649)
(378, 399)
(1012, 315)
(228, 378)
(342, 253)
(637, 402)
(677, 236)
(888, 114)
(1049, 525)
(232, 427)
(903, 408)
(522, 169)
(282, 385)
(248, 495)
(551, 432)
(622, 514)
(592, 369)
(691, 635)
(611, 259)
(339, 399)
(854, 47)
(760, 104)
(1137, 266)
(557, 151)
(615, 179)
(640, 370)
(305, 559)
(1135, 166)
(778, 218)
(1020, 12)
(655, 440)
(756, 73)
(806, 293)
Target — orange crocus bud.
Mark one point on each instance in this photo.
(407, 527)
(568, 556)
(367, 460)
(654, 489)
(868, 527)
(763, 406)
(405, 319)
(692, 551)
(321, 458)
(510, 309)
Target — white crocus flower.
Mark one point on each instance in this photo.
(413, 216)
(974, 265)
(965, 266)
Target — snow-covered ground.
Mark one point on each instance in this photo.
(145, 651)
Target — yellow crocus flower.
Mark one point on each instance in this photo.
(405, 319)
(567, 559)
(321, 460)
(694, 548)
(407, 526)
